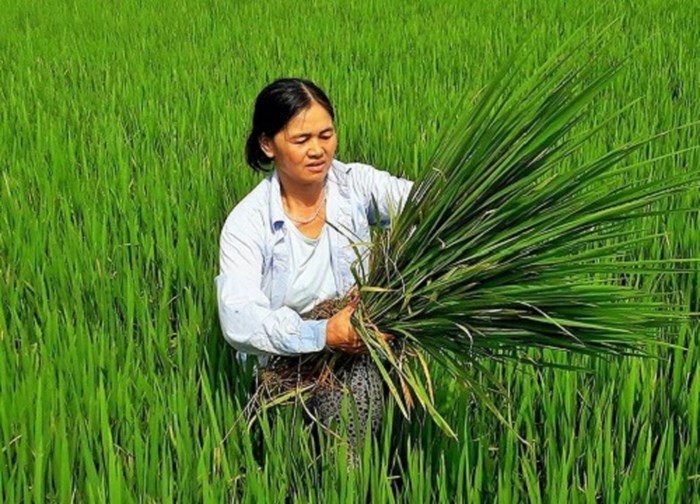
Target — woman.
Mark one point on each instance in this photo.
(286, 246)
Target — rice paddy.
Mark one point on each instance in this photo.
(122, 128)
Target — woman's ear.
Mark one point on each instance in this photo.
(266, 146)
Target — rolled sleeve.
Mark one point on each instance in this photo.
(313, 336)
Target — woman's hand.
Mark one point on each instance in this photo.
(340, 334)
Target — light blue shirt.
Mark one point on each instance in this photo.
(254, 256)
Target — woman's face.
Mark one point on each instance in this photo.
(303, 150)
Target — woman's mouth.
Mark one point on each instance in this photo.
(316, 166)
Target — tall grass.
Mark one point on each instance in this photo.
(121, 135)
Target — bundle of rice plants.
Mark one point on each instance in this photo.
(513, 238)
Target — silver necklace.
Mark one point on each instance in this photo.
(313, 218)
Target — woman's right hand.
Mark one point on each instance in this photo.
(340, 334)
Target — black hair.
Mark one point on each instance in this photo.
(276, 104)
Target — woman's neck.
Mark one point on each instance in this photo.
(302, 198)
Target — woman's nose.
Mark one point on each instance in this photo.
(315, 149)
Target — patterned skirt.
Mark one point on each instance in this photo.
(360, 385)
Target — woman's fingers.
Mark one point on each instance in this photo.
(353, 297)
(351, 342)
(354, 345)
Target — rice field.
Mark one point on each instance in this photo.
(122, 126)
